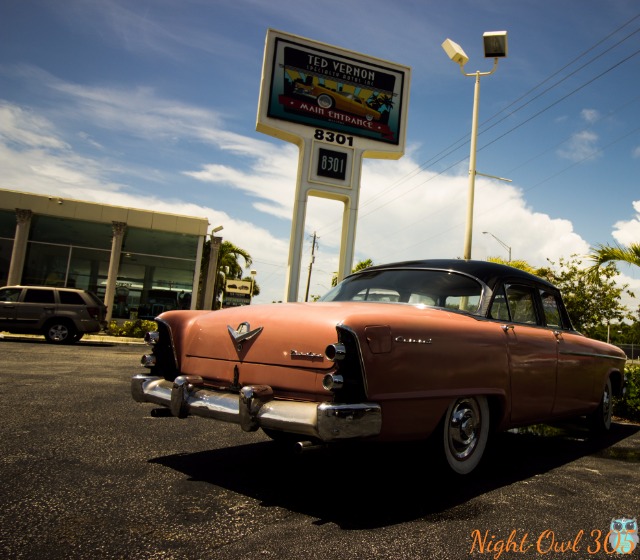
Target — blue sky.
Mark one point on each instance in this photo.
(152, 104)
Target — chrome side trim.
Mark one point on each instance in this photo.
(590, 355)
(256, 408)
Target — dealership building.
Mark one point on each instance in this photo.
(142, 262)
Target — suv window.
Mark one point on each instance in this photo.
(39, 296)
(10, 295)
(70, 298)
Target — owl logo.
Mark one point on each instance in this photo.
(623, 535)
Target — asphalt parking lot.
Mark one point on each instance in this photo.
(86, 472)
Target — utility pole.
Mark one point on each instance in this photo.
(313, 258)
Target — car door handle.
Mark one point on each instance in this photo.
(506, 328)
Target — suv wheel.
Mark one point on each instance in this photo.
(60, 332)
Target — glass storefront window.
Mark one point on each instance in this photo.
(163, 243)
(65, 231)
(6, 248)
(156, 269)
(148, 285)
(7, 224)
(45, 265)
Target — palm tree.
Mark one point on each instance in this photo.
(360, 266)
(229, 266)
(603, 254)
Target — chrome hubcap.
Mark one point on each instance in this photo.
(606, 404)
(464, 428)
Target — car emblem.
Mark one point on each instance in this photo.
(243, 333)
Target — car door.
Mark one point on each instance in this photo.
(9, 298)
(532, 352)
(38, 304)
(578, 369)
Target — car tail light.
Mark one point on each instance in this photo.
(332, 382)
(148, 360)
(152, 337)
(335, 352)
(94, 312)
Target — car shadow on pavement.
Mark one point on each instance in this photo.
(365, 486)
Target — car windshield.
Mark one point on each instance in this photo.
(434, 288)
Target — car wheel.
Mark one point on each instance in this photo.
(60, 332)
(600, 418)
(325, 101)
(466, 431)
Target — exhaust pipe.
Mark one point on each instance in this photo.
(306, 446)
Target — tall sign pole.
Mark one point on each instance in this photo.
(338, 107)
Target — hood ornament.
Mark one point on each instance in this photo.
(243, 333)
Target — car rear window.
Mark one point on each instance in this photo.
(39, 296)
(71, 298)
(436, 288)
(95, 299)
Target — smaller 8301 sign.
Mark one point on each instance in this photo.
(332, 164)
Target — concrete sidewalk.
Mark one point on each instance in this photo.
(94, 337)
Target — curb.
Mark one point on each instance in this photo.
(86, 338)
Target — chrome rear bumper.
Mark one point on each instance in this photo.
(255, 407)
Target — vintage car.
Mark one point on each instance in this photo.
(445, 348)
(328, 98)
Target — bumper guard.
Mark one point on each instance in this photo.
(255, 407)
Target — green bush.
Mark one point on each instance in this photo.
(133, 329)
(629, 406)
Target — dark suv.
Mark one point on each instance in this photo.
(62, 315)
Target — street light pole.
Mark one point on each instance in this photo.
(501, 243)
(495, 45)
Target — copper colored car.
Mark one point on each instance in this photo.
(444, 348)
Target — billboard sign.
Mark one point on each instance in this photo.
(343, 94)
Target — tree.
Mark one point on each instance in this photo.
(520, 265)
(603, 254)
(592, 297)
(229, 266)
(360, 266)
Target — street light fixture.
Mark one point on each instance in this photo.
(495, 46)
(501, 243)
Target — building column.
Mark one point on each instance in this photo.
(114, 263)
(23, 219)
(212, 274)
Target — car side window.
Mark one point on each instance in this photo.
(499, 307)
(522, 307)
(552, 315)
(10, 295)
(70, 298)
(39, 296)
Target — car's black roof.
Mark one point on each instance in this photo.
(488, 272)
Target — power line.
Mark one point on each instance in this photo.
(452, 148)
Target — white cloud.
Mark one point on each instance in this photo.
(404, 213)
(628, 231)
(590, 115)
(581, 146)
(24, 128)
